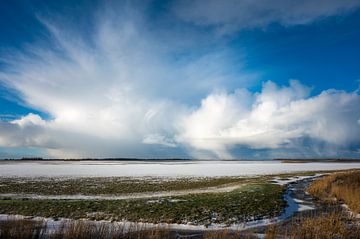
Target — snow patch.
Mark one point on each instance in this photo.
(160, 169)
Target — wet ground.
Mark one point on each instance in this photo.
(299, 204)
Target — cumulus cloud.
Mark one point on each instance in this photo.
(234, 15)
(27, 131)
(30, 119)
(277, 117)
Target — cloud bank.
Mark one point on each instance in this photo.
(126, 91)
(277, 117)
(235, 15)
(284, 118)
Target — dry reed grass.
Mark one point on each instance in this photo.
(327, 226)
(333, 225)
(344, 186)
(22, 229)
(31, 229)
(34, 229)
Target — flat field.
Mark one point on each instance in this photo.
(199, 203)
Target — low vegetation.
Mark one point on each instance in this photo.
(108, 185)
(122, 185)
(341, 187)
(252, 201)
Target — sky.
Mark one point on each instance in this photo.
(202, 79)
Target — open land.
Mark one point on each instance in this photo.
(194, 206)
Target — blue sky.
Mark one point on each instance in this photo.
(190, 79)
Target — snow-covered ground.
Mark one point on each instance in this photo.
(159, 169)
(217, 189)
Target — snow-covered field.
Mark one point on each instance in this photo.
(159, 169)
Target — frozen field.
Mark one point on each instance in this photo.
(159, 169)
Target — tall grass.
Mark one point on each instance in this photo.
(344, 187)
(325, 226)
(334, 225)
(228, 234)
(22, 229)
(34, 229)
(31, 229)
(84, 230)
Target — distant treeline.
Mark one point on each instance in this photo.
(285, 160)
(86, 159)
(307, 160)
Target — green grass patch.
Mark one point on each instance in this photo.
(107, 185)
(252, 201)
(123, 185)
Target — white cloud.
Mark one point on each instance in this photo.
(276, 117)
(30, 119)
(233, 15)
(25, 132)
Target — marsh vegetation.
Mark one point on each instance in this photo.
(109, 185)
(341, 187)
(250, 202)
(255, 198)
(325, 226)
